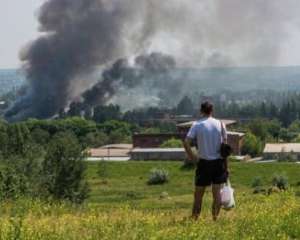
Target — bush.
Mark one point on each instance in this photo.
(40, 136)
(257, 182)
(117, 136)
(281, 182)
(172, 143)
(63, 169)
(20, 177)
(233, 159)
(152, 130)
(94, 139)
(18, 140)
(158, 176)
(259, 189)
(286, 135)
(291, 157)
(251, 145)
(12, 184)
(272, 190)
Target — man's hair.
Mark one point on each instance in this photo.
(207, 108)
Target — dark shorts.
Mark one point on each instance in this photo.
(210, 172)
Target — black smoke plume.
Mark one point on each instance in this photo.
(78, 36)
(152, 69)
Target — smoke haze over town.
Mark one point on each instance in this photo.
(82, 42)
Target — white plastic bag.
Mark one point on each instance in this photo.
(227, 198)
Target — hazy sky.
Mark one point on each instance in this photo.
(18, 26)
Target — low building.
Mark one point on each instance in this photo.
(282, 150)
(167, 154)
(153, 140)
(235, 139)
(184, 127)
(117, 152)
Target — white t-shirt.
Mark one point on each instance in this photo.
(209, 135)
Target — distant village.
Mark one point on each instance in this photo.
(147, 146)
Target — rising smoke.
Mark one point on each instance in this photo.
(79, 37)
(125, 81)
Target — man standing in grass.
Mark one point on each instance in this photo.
(209, 133)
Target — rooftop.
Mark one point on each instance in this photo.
(227, 122)
(118, 146)
(98, 152)
(112, 150)
(240, 134)
(282, 147)
(159, 150)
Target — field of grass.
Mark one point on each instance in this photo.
(123, 206)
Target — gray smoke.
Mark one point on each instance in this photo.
(80, 36)
(123, 79)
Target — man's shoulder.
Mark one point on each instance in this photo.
(204, 120)
(207, 122)
(200, 122)
(214, 120)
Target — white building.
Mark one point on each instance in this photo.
(282, 150)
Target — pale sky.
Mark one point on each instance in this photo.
(19, 25)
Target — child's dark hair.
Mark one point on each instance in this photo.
(207, 108)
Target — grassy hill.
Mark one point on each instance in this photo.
(127, 181)
(123, 206)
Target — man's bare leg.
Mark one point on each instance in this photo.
(198, 197)
(216, 206)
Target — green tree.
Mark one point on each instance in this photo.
(40, 136)
(63, 169)
(286, 135)
(21, 175)
(295, 126)
(274, 127)
(95, 139)
(152, 130)
(19, 138)
(259, 128)
(117, 136)
(80, 127)
(251, 145)
(273, 111)
(106, 113)
(109, 126)
(3, 139)
(172, 143)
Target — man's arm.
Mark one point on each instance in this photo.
(224, 138)
(226, 166)
(188, 149)
(224, 132)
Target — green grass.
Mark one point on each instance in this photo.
(123, 207)
(126, 182)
